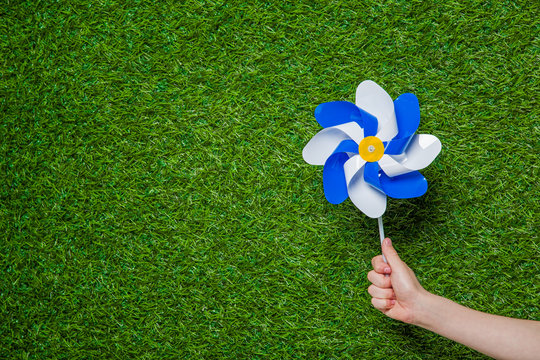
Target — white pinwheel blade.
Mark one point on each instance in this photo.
(352, 166)
(373, 99)
(323, 144)
(420, 152)
(365, 197)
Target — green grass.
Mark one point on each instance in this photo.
(154, 200)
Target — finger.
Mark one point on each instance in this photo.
(379, 280)
(380, 266)
(380, 293)
(382, 304)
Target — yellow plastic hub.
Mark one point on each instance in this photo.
(371, 149)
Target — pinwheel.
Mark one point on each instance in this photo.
(370, 150)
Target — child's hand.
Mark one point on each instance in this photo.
(398, 294)
(395, 290)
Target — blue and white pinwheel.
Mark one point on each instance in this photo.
(369, 149)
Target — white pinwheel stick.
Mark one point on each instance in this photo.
(381, 233)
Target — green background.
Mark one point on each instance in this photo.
(155, 203)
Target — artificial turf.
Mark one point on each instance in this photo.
(154, 202)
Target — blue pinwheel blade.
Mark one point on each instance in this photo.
(397, 146)
(371, 174)
(370, 123)
(347, 146)
(340, 112)
(408, 118)
(404, 186)
(334, 182)
(336, 113)
(407, 115)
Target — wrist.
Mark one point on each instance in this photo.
(424, 309)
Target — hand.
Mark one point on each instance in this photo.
(398, 294)
(395, 290)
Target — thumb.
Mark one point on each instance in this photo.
(391, 254)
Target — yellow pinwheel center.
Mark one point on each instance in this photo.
(371, 149)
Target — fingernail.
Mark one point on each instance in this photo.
(387, 270)
(387, 242)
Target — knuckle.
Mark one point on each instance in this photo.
(375, 261)
(381, 281)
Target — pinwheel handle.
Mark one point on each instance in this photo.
(381, 233)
